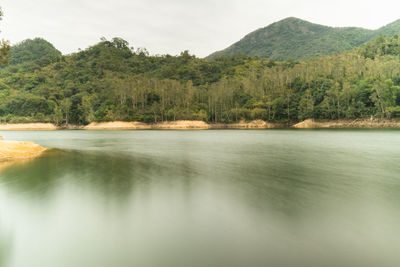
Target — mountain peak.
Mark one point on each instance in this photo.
(299, 39)
(38, 50)
(291, 19)
(394, 23)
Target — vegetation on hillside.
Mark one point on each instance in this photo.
(109, 81)
(300, 40)
(4, 46)
(38, 50)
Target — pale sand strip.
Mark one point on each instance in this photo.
(178, 125)
(201, 125)
(356, 124)
(13, 150)
(117, 125)
(27, 126)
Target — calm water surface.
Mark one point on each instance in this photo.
(203, 198)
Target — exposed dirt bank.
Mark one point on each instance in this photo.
(182, 125)
(116, 125)
(120, 125)
(257, 124)
(15, 150)
(201, 125)
(179, 125)
(371, 123)
(27, 126)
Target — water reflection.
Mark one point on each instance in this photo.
(211, 199)
(5, 246)
(111, 174)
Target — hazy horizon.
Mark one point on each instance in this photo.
(177, 25)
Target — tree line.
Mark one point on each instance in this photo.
(111, 81)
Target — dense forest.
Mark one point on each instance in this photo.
(112, 81)
(300, 40)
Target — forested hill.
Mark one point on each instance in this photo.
(37, 50)
(109, 82)
(299, 39)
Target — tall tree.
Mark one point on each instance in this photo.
(4, 46)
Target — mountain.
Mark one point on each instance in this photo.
(389, 30)
(37, 50)
(111, 82)
(298, 39)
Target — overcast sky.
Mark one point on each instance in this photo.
(171, 26)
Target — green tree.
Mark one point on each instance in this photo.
(4, 47)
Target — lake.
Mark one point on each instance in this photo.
(210, 198)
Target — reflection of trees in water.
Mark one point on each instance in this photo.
(297, 183)
(110, 174)
(287, 186)
(284, 186)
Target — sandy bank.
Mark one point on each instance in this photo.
(27, 126)
(367, 123)
(14, 150)
(307, 124)
(256, 124)
(120, 125)
(179, 125)
(116, 125)
(201, 125)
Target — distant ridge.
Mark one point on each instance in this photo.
(35, 50)
(293, 38)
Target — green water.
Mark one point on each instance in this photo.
(278, 198)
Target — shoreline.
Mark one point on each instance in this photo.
(201, 125)
(349, 124)
(12, 151)
(120, 125)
